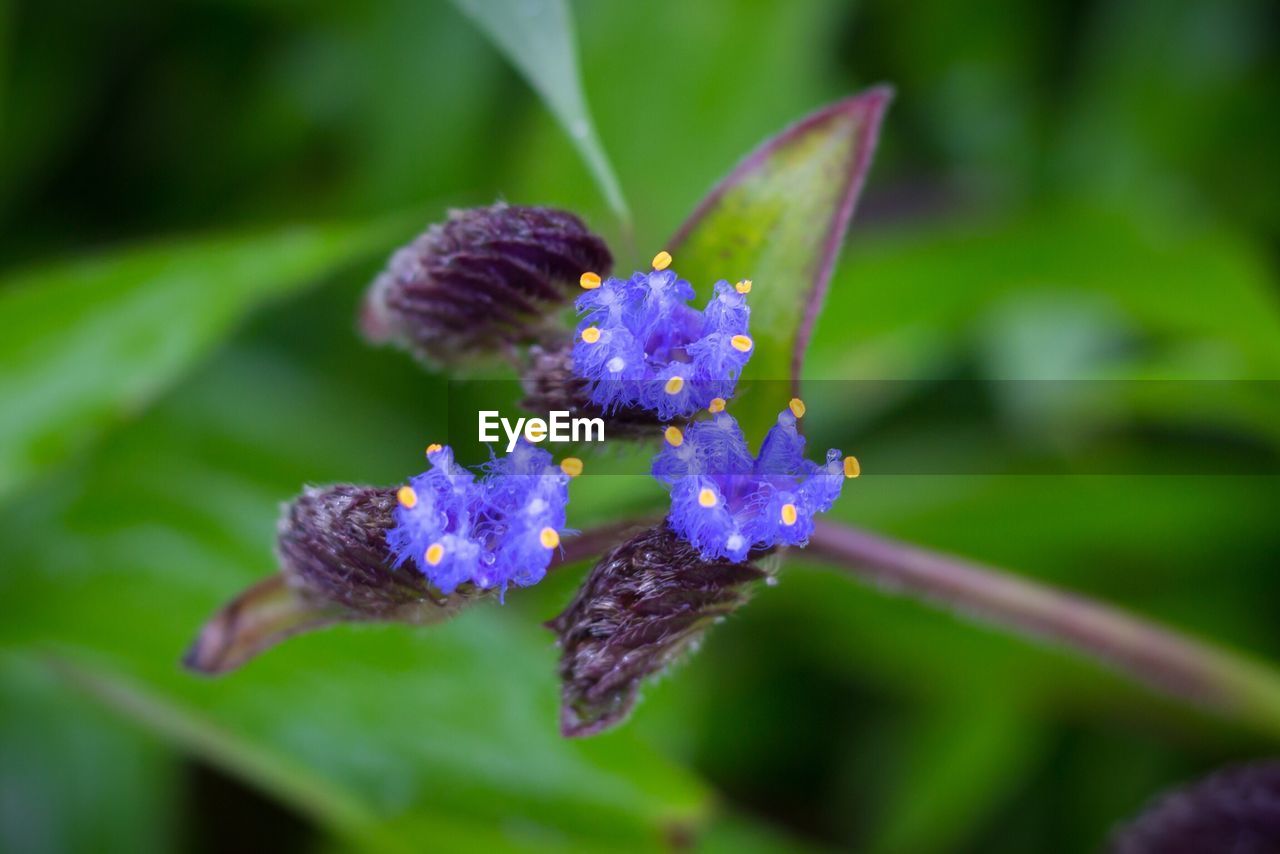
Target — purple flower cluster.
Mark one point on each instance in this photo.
(726, 503)
(639, 344)
(493, 531)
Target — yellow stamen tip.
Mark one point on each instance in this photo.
(851, 467)
(571, 466)
(589, 281)
(673, 436)
(788, 514)
(591, 335)
(407, 497)
(717, 405)
(435, 554)
(433, 447)
(674, 385)
(743, 287)
(741, 343)
(797, 407)
(707, 498)
(662, 260)
(549, 538)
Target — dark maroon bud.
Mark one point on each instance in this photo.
(332, 544)
(1236, 810)
(644, 603)
(334, 567)
(484, 279)
(550, 385)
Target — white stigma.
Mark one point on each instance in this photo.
(734, 542)
(536, 506)
(615, 365)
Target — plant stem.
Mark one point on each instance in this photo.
(1192, 670)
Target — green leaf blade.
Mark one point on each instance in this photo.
(537, 37)
(87, 343)
(779, 219)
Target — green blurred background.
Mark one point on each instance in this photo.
(193, 195)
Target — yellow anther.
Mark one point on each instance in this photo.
(673, 436)
(549, 538)
(571, 466)
(435, 554)
(407, 497)
(662, 260)
(707, 498)
(589, 281)
(717, 405)
(433, 447)
(591, 335)
(788, 514)
(674, 385)
(851, 467)
(797, 407)
(741, 343)
(743, 287)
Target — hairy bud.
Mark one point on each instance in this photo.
(1235, 810)
(332, 545)
(484, 278)
(335, 566)
(550, 385)
(644, 603)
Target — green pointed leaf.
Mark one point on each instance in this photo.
(537, 37)
(779, 219)
(85, 344)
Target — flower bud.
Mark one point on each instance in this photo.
(1237, 810)
(550, 384)
(639, 609)
(332, 545)
(335, 566)
(484, 278)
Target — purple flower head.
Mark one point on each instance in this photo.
(726, 503)
(639, 343)
(493, 531)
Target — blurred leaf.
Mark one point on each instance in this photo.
(1149, 299)
(537, 36)
(73, 778)
(1163, 92)
(392, 736)
(1179, 284)
(961, 762)
(779, 219)
(85, 344)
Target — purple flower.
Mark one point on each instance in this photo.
(638, 343)
(493, 531)
(725, 502)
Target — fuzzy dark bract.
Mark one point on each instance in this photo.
(484, 278)
(642, 605)
(1236, 810)
(332, 545)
